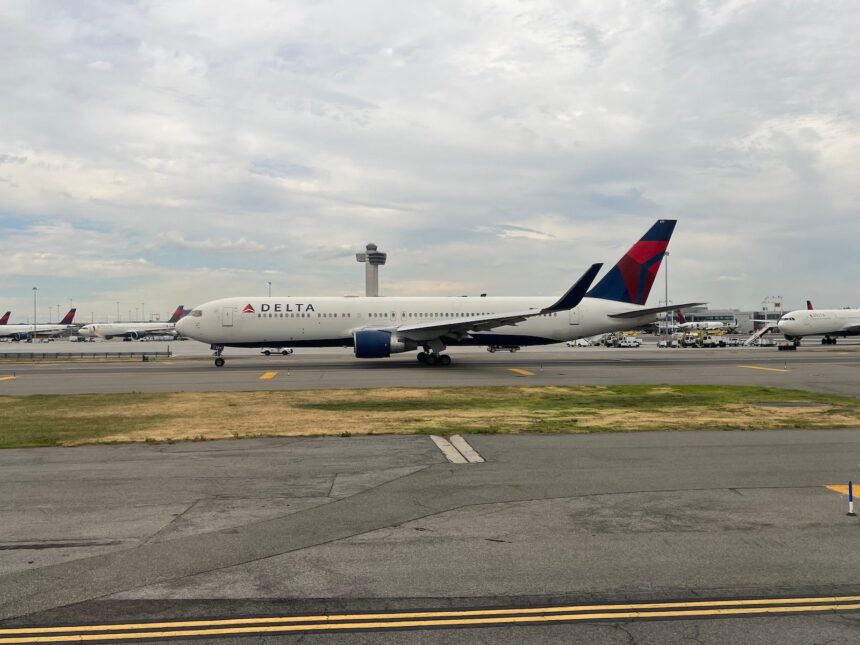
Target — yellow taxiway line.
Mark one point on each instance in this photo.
(267, 376)
(8, 378)
(838, 488)
(520, 372)
(766, 369)
(425, 619)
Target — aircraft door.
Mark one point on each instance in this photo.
(575, 318)
(227, 317)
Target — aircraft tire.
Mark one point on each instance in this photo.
(422, 357)
(219, 362)
(432, 359)
(444, 360)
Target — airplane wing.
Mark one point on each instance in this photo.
(636, 313)
(462, 326)
(851, 329)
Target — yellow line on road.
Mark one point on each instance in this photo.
(838, 488)
(454, 622)
(520, 372)
(265, 376)
(766, 369)
(8, 378)
(396, 620)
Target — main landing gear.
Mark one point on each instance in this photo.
(219, 361)
(432, 358)
(828, 340)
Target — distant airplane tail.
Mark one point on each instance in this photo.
(69, 317)
(180, 311)
(5, 318)
(808, 305)
(679, 317)
(631, 279)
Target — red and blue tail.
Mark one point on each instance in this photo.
(69, 317)
(631, 279)
(180, 311)
(5, 318)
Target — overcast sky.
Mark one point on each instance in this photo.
(176, 152)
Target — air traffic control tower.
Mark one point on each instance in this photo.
(372, 259)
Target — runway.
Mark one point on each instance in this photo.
(827, 370)
(578, 532)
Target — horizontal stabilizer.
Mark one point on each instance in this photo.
(638, 313)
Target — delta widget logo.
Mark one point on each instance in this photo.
(249, 309)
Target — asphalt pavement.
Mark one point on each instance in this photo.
(306, 527)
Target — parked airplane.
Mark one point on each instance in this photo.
(378, 327)
(682, 324)
(23, 332)
(133, 330)
(828, 323)
(5, 318)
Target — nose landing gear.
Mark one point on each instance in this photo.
(219, 361)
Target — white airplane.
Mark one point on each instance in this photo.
(828, 323)
(23, 332)
(380, 326)
(682, 324)
(132, 330)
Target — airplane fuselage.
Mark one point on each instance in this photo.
(25, 331)
(820, 322)
(137, 330)
(332, 321)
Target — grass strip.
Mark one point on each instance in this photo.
(54, 420)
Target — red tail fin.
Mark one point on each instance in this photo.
(679, 316)
(177, 314)
(69, 317)
(808, 305)
(5, 318)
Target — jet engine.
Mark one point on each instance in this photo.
(375, 343)
(137, 335)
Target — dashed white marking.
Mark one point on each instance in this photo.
(450, 452)
(466, 450)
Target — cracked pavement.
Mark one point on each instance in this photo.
(278, 526)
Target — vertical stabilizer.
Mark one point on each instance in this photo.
(631, 279)
(69, 317)
(5, 318)
(180, 311)
(808, 305)
(679, 317)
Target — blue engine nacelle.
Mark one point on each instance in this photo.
(375, 343)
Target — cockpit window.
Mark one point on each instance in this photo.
(196, 313)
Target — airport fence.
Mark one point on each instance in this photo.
(36, 356)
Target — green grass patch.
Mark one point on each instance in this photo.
(53, 420)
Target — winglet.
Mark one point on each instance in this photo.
(577, 292)
(5, 318)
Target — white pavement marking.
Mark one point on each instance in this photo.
(466, 450)
(448, 450)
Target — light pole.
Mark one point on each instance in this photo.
(35, 289)
(269, 284)
(117, 310)
(142, 315)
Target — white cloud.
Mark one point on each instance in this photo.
(493, 147)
